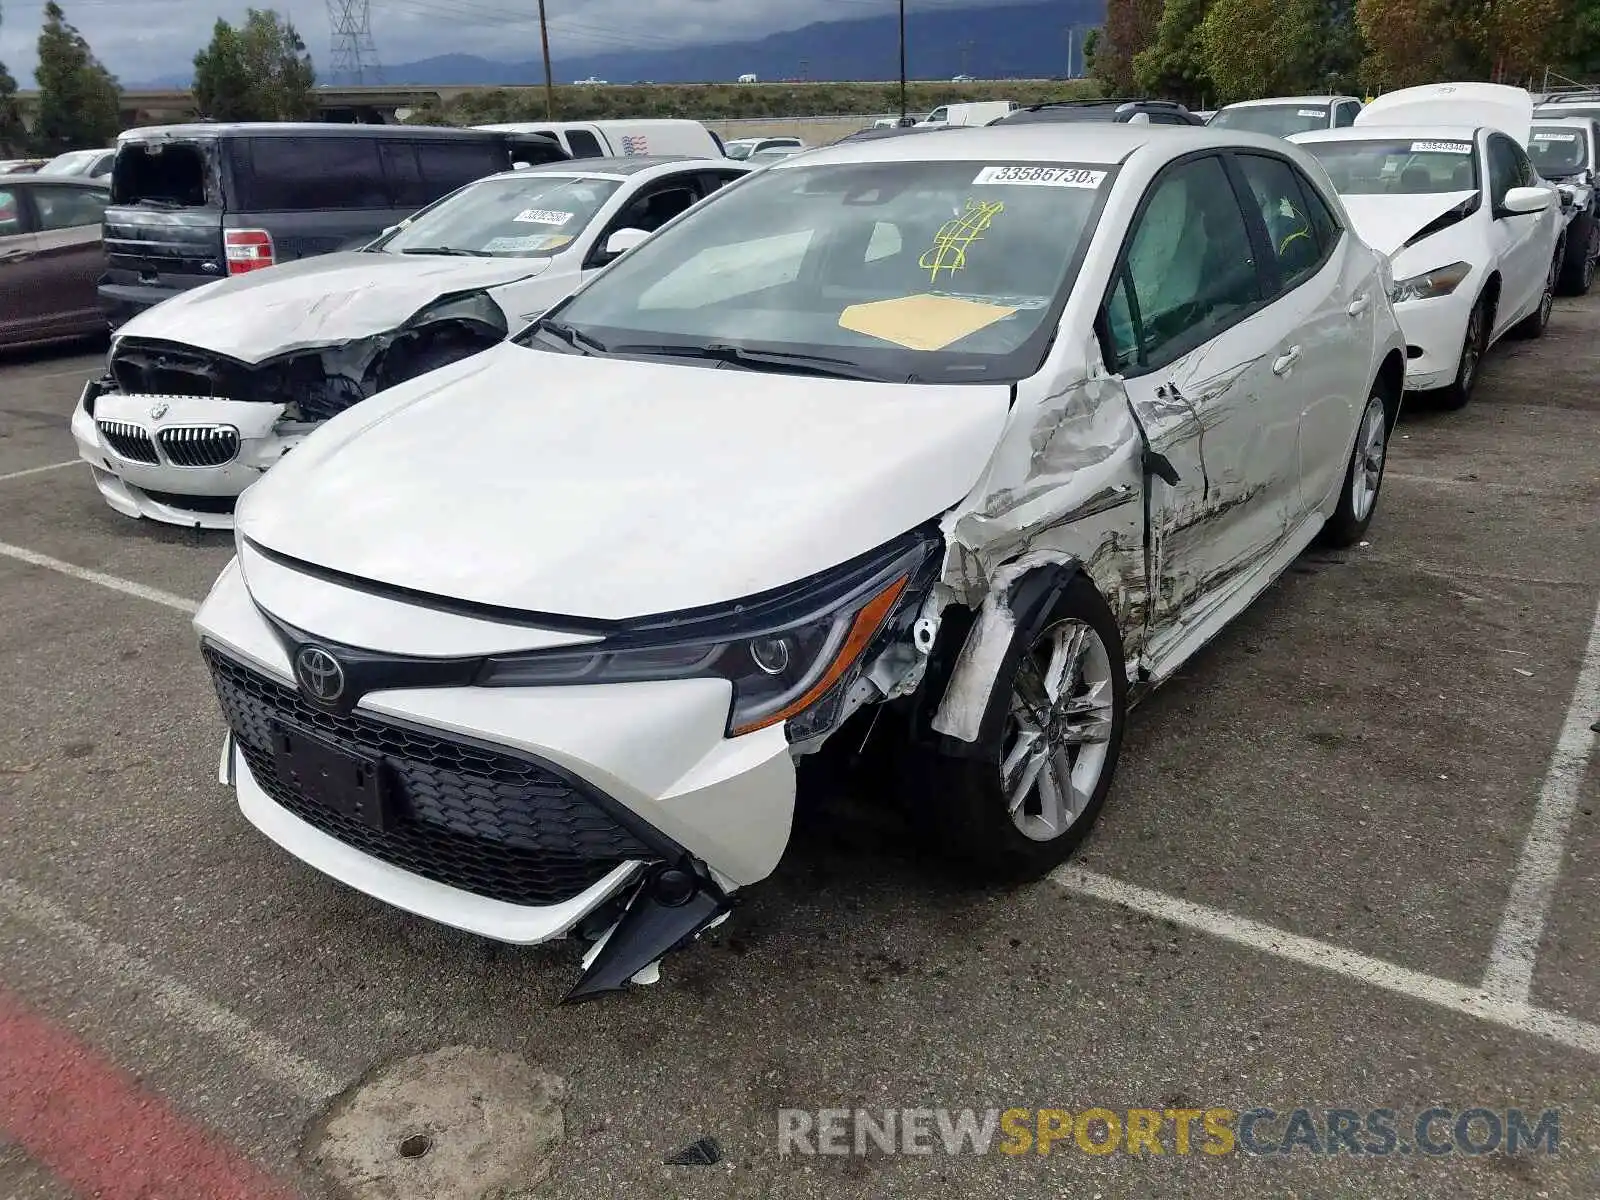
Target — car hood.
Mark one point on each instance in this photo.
(609, 489)
(1386, 223)
(318, 301)
(1496, 105)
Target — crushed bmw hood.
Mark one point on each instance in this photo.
(1386, 222)
(609, 489)
(318, 301)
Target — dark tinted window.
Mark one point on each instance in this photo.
(583, 144)
(1161, 118)
(307, 174)
(168, 172)
(1505, 172)
(1189, 263)
(1345, 116)
(68, 207)
(1279, 197)
(407, 189)
(449, 165)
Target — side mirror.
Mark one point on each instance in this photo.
(1523, 200)
(1567, 196)
(623, 240)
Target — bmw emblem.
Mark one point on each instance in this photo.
(320, 675)
(158, 410)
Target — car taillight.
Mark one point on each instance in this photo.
(247, 250)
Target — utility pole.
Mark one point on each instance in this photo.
(902, 62)
(805, 70)
(966, 58)
(549, 83)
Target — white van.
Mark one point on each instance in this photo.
(977, 112)
(618, 139)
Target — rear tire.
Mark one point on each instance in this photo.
(1363, 477)
(1533, 325)
(1024, 802)
(1583, 247)
(1473, 345)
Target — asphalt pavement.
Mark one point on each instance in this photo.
(1350, 863)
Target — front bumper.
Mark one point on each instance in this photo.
(1436, 328)
(644, 773)
(201, 496)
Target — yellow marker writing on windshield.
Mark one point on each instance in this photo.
(949, 250)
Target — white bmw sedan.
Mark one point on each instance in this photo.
(207, 391)
(990, 431)
(1474, 235)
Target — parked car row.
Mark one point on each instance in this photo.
(540, 596)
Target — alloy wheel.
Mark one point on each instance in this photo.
(1371, 445)
(1058, 731)
(1471, 348)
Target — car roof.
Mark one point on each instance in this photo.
(1287, 101)
(1099, 142)
(215, 129)
(1581, 120)
(1391, 133)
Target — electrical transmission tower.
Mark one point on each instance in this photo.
(352, 55)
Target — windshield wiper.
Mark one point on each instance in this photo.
(572, 336)
(787, 360)
(452, 250)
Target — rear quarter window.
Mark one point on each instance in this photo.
(583, 144)
(307, 174)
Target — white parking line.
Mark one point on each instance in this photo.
(1516, 943)
(126, 586)
(264, 1053)
(1443, 993)
(40, 470)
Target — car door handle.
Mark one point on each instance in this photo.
(1359, 305)
(1285, 363)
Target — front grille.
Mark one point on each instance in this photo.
(129, 441)
(470, 816)
(199, 445)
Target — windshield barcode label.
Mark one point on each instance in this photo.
(1072, 177)
(1441, 147)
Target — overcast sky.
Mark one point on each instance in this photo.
(143, 39)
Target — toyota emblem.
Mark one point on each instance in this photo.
(319, 673)
(158, 410)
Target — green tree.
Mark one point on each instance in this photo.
(1261, 47)
(12, 133)
(1175, 66)
(258, 72)
(80, 104)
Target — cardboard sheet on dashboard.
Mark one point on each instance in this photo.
(922, 322)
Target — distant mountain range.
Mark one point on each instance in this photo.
(1027, 41)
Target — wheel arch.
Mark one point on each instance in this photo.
(1391, 384)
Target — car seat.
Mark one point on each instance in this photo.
(1416, 179)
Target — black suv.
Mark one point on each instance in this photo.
(195, 203)
(1157, 112)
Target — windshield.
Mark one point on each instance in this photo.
(949, 270)
(1557, 152)
(1402, 167)
(534, 215)
(1274, 120)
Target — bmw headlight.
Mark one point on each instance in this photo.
(790, 655)
(1438, 282)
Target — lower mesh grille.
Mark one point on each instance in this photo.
(473, 817)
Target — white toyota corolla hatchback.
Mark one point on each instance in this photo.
(991, 430)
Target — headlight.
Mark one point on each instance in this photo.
(790, 656)
(476, 307)
(1439, 282)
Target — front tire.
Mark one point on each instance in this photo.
(1363, 477)
(1473, 344)
(1025, 801)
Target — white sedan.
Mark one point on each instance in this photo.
(989, 432)
(208, 390)
(1473, 233)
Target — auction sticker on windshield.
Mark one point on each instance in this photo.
(1312, 112)
(542, 216)
(1441, 147)
(1555, 137)
(1070, 177)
